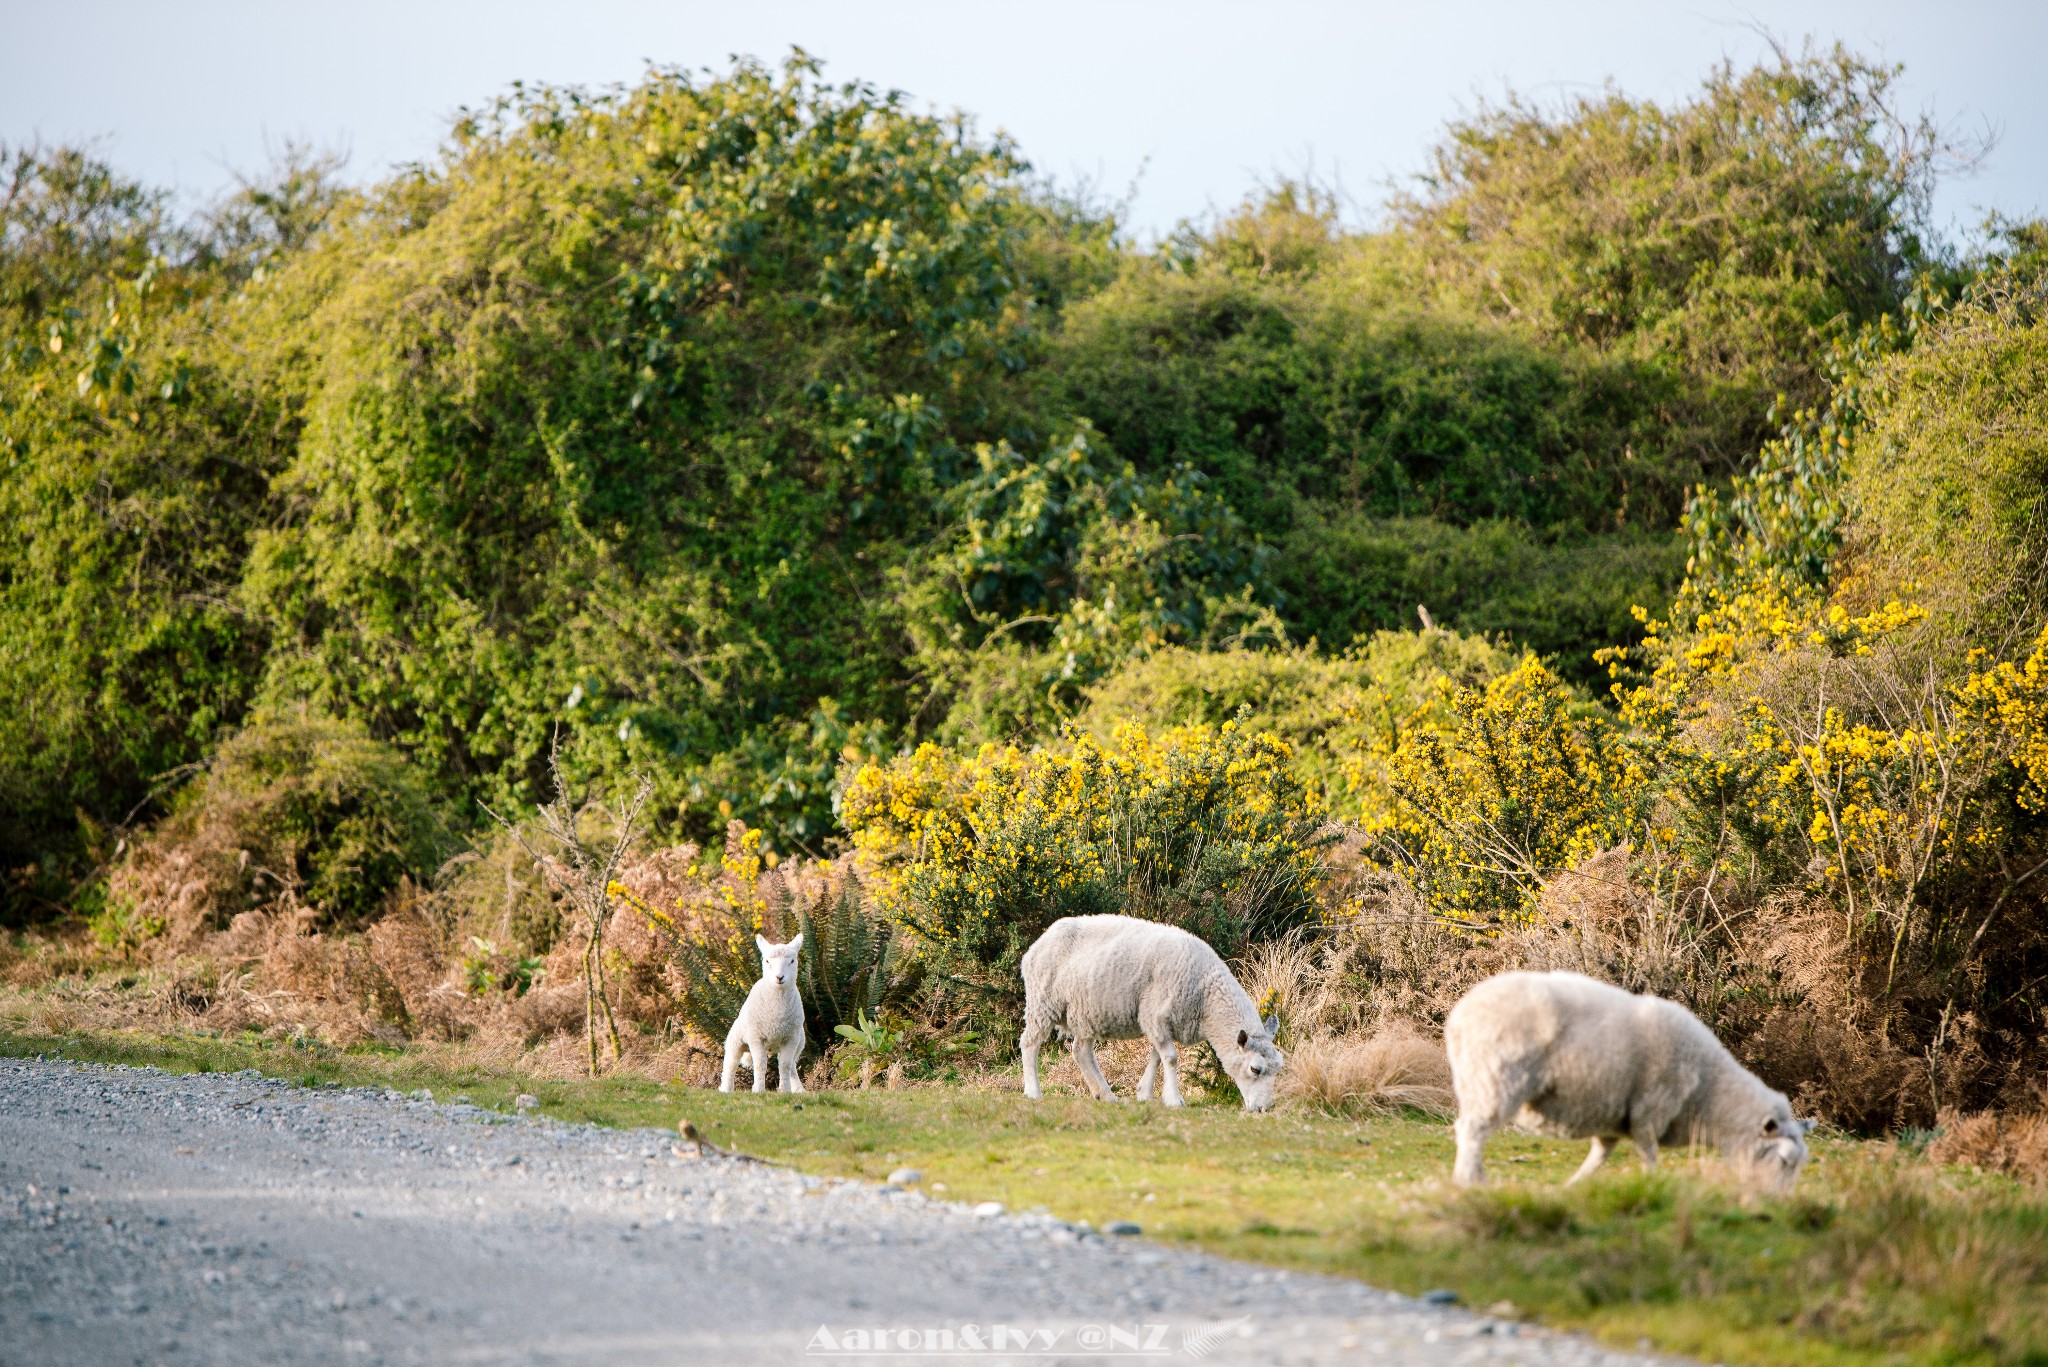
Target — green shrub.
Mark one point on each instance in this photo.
(1948, 481)
(1067, 566)
(297, 808)
(1562, 596)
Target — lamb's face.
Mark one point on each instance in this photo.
(1779, 1151)
(778, 962)
(1257, 1067)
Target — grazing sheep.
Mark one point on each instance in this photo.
(771, 1023)
(1562, 1055)
(1094, 978)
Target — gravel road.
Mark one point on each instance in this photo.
(147, 1217)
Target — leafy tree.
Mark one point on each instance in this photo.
(1724, 239)
(625, 412)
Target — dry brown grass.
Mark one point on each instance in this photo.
(1369, 1074)
(2015, 1145)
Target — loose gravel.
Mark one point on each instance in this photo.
(150, 1217)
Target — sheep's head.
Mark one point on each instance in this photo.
(1257, 1066)
(1778, 1150)
(778, 962)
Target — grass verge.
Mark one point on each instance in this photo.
(1878, 1258)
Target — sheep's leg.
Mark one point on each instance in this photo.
(1595, 1156)
(786, 1063)
(732, 1058)
(1091, 1072)
(1472, 1132)
(1646, 1145)
(1151, 1072)
(1031, 1042)
(1168, 1058)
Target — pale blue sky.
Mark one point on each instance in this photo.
(1194, 102)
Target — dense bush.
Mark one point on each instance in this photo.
(1395, 450)
(624, 409)
(1560, 595)
(1521, 780)
(1948, 482)
(1064, 569)
(132, 471)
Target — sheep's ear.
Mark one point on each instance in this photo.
(796, 946)
(762, 945)
(1244, 1037)
(1271, 1024)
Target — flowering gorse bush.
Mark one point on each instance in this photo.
(1846, 744)
(1205, 827)
(1517, 780)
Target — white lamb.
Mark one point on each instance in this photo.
(1562, 1055)
(771, 1023)
(1094, 978)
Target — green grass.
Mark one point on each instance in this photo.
(1876, 1258)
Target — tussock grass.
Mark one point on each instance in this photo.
(1366, 1075)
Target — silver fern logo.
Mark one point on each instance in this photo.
(1202, 1342)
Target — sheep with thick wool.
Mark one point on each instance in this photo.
(1095, 978)
(771, 1021)
(1560, 1054)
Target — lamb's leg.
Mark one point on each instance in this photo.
(732, 1058)
(786, 1064)
(1030, 1043)
(1151, 1073)
(1595, 1156)
(1091, 1072)
(1646, 1145)
(760, 1055)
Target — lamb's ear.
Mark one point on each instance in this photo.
(796, 946)
(1244, 1037)
(1271, 1024)
(762, 945)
